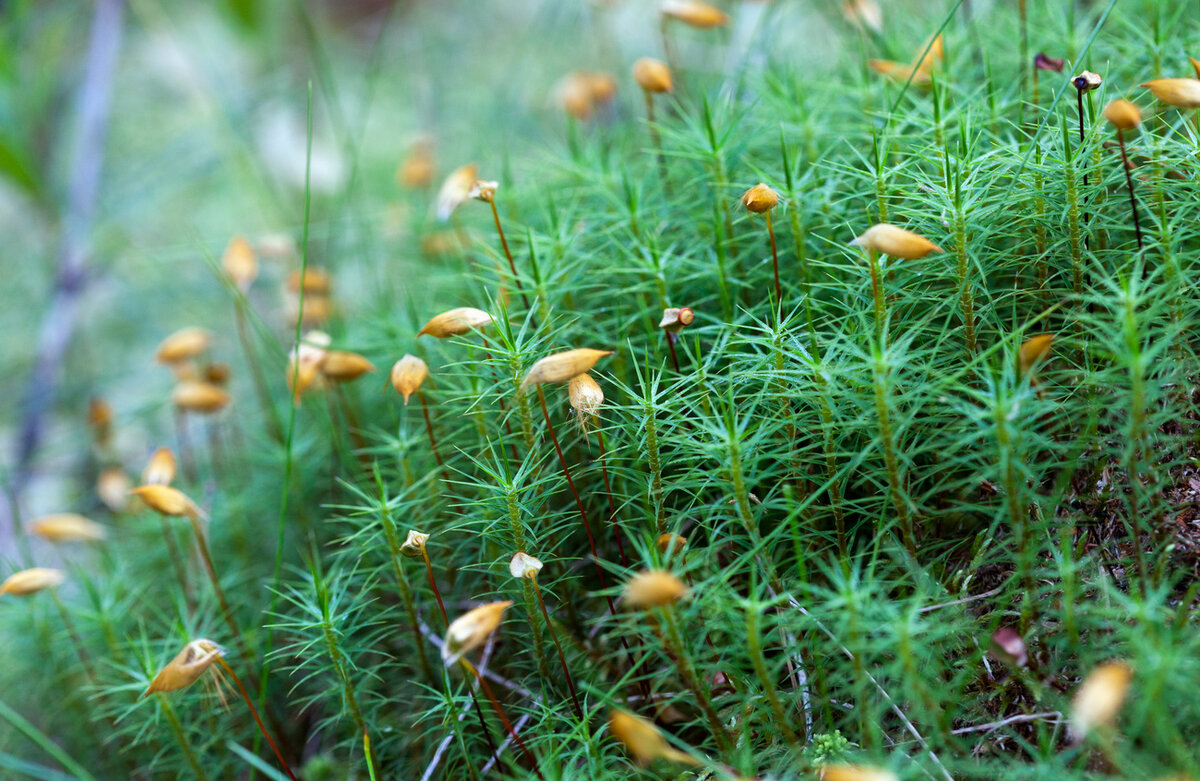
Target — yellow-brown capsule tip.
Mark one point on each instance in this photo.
(897, 242)
(343, 366)
(670, 543)
(455, 190)
(1122, 114)
(31, 581)
(472, 629)
(161, 468)
(561, 367)
(240, 262)
(760, 198)
(1035, 350)
(407, 375)
(652, 75)
(653, 588)
(1100, 697)
(183, 344)
(522, 565)
(67, 527)
(643, 740)
(1181, 93)
(314, 281)
(201, 397)
(414, 544)
(455, 322)
(165, 500)
(186, 668)
(856, 773)
(694, 13)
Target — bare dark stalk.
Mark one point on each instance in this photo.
(671, 350)
(612, 508)
(487, 689)
(176, 561)
(226, 611)
(429, 428)
(254, 712)
(562, 659)
(612, 608)
(578, 502)
(433, 585)
(1081, 86)
(508, 253)
(1129, 183)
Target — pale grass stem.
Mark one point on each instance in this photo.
(877, 292)
(775, 264)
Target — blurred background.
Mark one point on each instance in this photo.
(137, 138)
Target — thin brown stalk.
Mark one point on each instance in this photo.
(578, 502)
(612, 508)
(429, 428)
(254, 712)
(671, 350)
(487, 690)
(226, 611)
(507, 252)
(176, 561)
(562, 659)
(1129, 184)
(434, 586)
